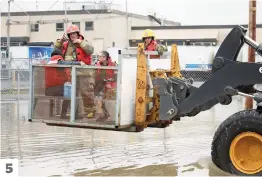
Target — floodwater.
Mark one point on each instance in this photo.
(181, 149)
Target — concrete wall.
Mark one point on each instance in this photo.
(220, 34)
(178, 34)
(104, 19)
(223, 33)
(15, 30)
(108, 28)
(47, 32)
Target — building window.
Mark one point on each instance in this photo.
(34, 27)
(188, 42)
(77, 24)
(89, 26)
(59, 26)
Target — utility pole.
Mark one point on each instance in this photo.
(252, 35)
(8, 30)
(127, 28)
(65, 15)
(36, 5)
(8, 40)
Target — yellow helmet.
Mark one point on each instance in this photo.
(148, 33)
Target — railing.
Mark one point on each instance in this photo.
(84, 90)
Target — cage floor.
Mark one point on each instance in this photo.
(82, 120)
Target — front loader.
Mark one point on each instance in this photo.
(237, 143)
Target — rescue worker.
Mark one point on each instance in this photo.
(76, 48)
(151, 44)
(105, 88)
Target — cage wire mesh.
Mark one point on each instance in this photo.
(15, 81)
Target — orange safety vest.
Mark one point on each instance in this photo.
(152, 47)
(80, 53)
(109, 86)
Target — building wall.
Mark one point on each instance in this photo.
(50, 27)
(223, 33)
(15, 30)
(219, 34)
(141, 22)
(109, 28)
(178, 34)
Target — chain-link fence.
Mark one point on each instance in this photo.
(15, 86)
(15, 79)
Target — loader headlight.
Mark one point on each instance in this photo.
(169, 86)
(258, 87)
(171, 89)
(171, 111)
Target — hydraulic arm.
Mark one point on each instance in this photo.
(178, 98)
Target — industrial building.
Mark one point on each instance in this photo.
(104, 28)
(107, 28)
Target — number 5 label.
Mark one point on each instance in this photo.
(8, 167)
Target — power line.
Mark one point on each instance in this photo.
(21, 9)
(61, 20)
(49, 9)
(106, 8)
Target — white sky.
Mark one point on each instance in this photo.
(188, 12)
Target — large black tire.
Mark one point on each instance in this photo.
(243, 121)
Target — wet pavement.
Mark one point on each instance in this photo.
(181, 149)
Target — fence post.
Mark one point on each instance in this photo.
(118, 89)
(9, 69)
(32, 103)
(73, 95)
(18, 94)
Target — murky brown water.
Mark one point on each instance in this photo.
(181, 149)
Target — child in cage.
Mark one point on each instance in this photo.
(105, 88)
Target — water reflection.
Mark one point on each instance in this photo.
(49, 150)
(150, 170)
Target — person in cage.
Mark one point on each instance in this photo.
(76, 48)
(150, 44)
(105, 88)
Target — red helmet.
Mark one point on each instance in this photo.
(72, 29)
